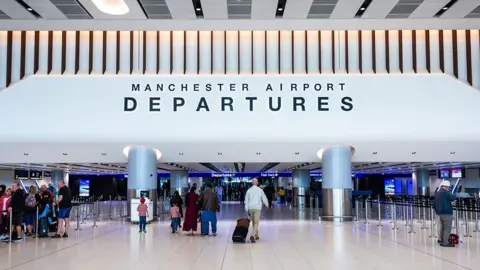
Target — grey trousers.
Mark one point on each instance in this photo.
(444, 227)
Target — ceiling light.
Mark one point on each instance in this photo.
(413, 153)
(297, 153)
(198, 9)
(112, 7)
(452, 153)
(258, 153)
(65, 154)
(25, 154)
(219, 153)
(104, 154)
(29, 9)
(445, 8)
(374, 153)
(181, 154)
(362, 8)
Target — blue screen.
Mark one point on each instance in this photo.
(84, 188)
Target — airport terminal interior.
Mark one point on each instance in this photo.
(239, 134)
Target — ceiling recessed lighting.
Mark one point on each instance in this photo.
(25, 154)
(181, 154)
(280, 9)
(452, 153)
(413, 153)
(29, 9)
(219, 153)
(104, 154)
(297, 153)
(198, 9)
(374, 153)
(65, 154)
(445, 8)
(362, 8)
(258, 153)
(112, 7)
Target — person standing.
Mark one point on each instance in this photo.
(219, 193)
(31, 202)
(177, 200)
(142, 210)
(254, 199)
(209, 204)
(444, 209)
(64, 207)
(191, 211)
(51, 188)
(5, 215)
(17, 206)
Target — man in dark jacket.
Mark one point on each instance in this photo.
(444, 209)
(17, 205)
(209, 205)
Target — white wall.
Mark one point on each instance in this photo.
(6, 177)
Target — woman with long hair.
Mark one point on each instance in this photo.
(30, 215)
(191, 211)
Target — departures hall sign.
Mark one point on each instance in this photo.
(238, 108)
(246, 96)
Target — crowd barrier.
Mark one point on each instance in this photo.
(408, 210)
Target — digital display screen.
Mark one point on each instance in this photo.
(36, 175)
(457, 173)
(444, 174)
(21, 175)
(84, 188)
(47, 174)
(144, 194)
(389, 187)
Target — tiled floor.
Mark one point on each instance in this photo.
(289, 240)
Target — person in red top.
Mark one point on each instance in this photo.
(191, 211)
(4, 214)
(142, 209)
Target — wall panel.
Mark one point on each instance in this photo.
(455, 52)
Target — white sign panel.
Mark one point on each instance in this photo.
(239, 108)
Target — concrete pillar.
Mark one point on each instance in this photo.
(337, 183)
(422, 178)
(196, 180)
(142, 174)
(179, 182)
(300, 184)
(57, 176)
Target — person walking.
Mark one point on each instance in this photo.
(64, 203)
(177, 200)
(191, 211)
(444, 209)
(220, 193)
(254, 199)
(209, 204)
(142, 210)
(5, 215)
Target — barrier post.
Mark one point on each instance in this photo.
(457, 229)
(466, 221)
(357, 210)
(403, 210)
(379, 212)
(366, 211)
(37, 229)
(10, 228)
(406, 210)
(412, 229)
(394, 216)
(476, 217)
(424, 217)
(97, 214)
(110, 208)
(432, 231)
(78, 218)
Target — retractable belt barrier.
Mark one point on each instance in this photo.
(419, 209)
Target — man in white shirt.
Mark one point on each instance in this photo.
(254, 199)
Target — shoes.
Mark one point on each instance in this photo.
(57, 236)
(140, 231)
(29, 234)
(65, 235)
(252, 239)
(17, 240)
(439, 241)
(214, 234)
(3, 237)
(144, 231)
(257, 238)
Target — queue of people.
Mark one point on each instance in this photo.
(20, 208)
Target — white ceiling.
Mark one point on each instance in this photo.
(240, 14)
(357, 167)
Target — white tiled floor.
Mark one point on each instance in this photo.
(289, 240)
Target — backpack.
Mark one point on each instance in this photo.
(30, 201)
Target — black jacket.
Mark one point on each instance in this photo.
(18, 201)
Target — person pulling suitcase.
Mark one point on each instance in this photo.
(254, 199)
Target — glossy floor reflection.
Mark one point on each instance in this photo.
(289, 240)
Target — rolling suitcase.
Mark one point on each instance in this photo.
(241, 230)
(43, 224)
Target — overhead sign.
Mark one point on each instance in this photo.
(229, 96)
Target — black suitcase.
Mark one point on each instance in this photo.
(241, 230)
(43, 224)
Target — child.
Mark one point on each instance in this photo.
(175, 214)
(142, 214)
